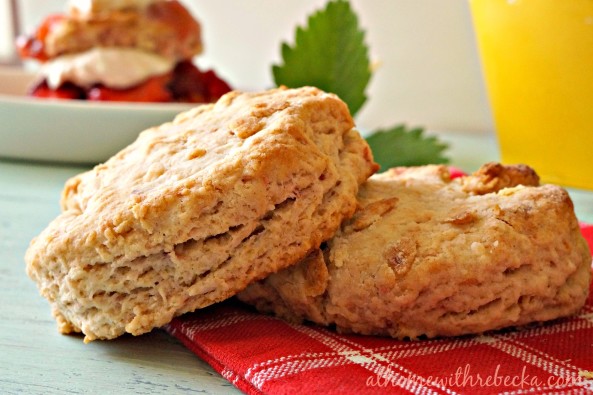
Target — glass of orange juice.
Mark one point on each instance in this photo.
(537, 58)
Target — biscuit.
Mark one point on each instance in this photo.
(195, 210)
(427, 256)
(155, 29)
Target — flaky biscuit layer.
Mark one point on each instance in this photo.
(427, 256)
(196, 209)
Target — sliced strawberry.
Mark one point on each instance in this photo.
(215, 85)
(191, 85)
(172, 13)
(187, 84)
(66, 91)
(152, 90)
(33, 46)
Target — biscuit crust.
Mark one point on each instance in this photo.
(195, 210)
(428, 256)
(154, 29)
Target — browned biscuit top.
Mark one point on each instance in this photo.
(163, 27)
(196, 209)
(425, 255)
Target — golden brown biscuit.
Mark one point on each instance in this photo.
(195, 210)
(427, 256)
(164, 27)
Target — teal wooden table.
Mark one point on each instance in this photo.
(35, 359)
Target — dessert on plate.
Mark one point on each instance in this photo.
(121, 50)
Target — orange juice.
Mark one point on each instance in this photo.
(537, 58)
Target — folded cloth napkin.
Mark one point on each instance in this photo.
(260, 354)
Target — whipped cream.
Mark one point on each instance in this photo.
(86, 8)
(117, 68)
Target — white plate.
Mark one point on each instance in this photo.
(69, 130)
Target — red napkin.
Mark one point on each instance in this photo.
(260, 354)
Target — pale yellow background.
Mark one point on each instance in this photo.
(429, 71)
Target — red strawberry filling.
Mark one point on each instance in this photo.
(186, 83)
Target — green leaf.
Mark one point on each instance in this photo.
(399, 146)
(329, 53)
